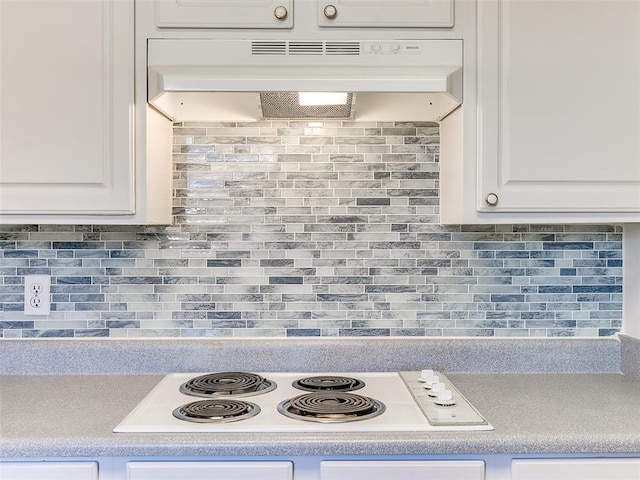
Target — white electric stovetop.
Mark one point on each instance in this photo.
(402, 413)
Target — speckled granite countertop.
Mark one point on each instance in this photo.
(593, 410)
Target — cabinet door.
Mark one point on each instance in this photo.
(559, 105)
(49, 470)
(385, 13)
(224, 13)
(577, 468)
(66, 107)
(209, 470)
(402, 469)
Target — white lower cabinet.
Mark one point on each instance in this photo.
(402, 469)
(455, 467)
(576, 469)
(209, 470)
(49, 471)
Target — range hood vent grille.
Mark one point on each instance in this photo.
(304, 48)
(343, 48)
(268, 48)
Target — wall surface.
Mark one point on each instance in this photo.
(286, 229)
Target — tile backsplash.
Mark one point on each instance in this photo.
(287, 228)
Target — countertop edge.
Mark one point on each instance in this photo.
(465, 445)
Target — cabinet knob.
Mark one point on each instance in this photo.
(280, 12)
(491, 199)
(330, 11)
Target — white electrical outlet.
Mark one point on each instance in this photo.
(37, 294)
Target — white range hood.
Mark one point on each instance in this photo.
(196, 79)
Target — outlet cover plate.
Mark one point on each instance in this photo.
(37, 294)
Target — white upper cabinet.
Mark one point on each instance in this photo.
(559, 106)
(565, 77)
(67, 114)
(385, 13)
(66, 117)
(280, 13)
(224, 13)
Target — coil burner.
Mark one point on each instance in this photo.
(216, 410)
(331, 407)
(227, 384)
(328, 383)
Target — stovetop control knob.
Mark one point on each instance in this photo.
(445, 398)
(435, 388)
(424, 374)
(431, 379)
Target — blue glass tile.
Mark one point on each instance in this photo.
(555, 289)
(52, 333)
(365, 332)
(568, 245)
(20, 253)
(597, 288)
(91, 332)
(285, 280)
(339, 228)
(303, 332)
(223, 315)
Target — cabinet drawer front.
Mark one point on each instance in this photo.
(383, 13)
(576, 468)
(49, 471)
(401, 469)
(224, 13)
(209, 470)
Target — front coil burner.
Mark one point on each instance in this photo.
(328, 383)
(227, 384)
(331, 407)
(216, 410)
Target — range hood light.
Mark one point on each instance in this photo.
(288, 105)
(322, 98)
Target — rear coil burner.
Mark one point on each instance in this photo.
(216, 410)
(331, 407)
(328, 383)
(227, 384)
